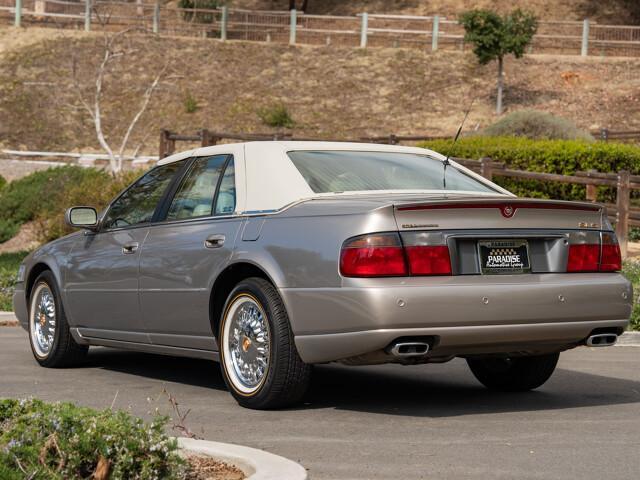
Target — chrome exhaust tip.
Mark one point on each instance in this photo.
(602, 340)
(409, 349)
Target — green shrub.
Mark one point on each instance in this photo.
(631, 270)
(276, 116)
(190, 103)
(9, 263)
(536, 125)
(552, 156)
(3, 181)
(60, 441)
(45, 195)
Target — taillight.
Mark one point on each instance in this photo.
(604, 257)
(583, 258)
(383, 255)
(429, 260)
(379, 255)
(611, 259)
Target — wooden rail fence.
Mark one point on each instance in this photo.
(366, 29)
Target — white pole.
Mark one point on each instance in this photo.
(17, 21)
(435, 32)
(87, 15)
(364, 27)
(585, 37)
(223, 25)
(292, 27)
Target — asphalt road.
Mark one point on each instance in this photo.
(383, 422)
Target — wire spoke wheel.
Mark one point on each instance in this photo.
(247, 346)
(43, 319)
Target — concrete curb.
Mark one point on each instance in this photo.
(8, 319)
(629, 339)
(256, 464)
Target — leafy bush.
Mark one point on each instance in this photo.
(536, 125)
(3, 181)
(199, 17)
(277, 116)
(9, 263)
(631, 270)
(551, 156)
(60, 441)
(45, 195)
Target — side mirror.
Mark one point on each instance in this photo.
(82, 217)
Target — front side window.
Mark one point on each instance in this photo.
(196, 196)
(138, 203)
(349, 171)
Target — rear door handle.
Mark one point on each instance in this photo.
(214, 241)
(130, 248)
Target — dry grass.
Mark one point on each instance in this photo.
(329, 92)
(611, 11)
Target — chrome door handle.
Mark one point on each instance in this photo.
(130, 248)
(214, 241)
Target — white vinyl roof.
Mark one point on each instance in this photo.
(267, 180)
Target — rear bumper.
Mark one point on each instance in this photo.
(468, 314)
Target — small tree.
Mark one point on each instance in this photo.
(495, 36)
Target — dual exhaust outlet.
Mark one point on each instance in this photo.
(602, 340)
(407, 349)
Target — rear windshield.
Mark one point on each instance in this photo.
(347, 171)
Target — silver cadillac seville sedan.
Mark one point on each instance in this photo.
(273, 256)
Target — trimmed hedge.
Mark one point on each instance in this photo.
(552, 156)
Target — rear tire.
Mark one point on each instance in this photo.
(49, 336)
(515, 374)
(259, 359)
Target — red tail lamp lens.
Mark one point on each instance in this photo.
(373, 256)
(583, 258)
(611, 260)
(429, 260)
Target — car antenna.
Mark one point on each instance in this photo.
(446, 162)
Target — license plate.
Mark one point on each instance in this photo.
(504, 256)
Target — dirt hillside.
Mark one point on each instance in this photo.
(329, 92)
(605, 11)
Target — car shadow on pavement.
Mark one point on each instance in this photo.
(454, 392)
(428, 390)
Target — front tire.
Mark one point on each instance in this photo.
(51, 341)
(260, 363)
(515, 374)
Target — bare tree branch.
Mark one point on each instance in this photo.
(111, 52)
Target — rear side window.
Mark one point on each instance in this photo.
(207, 189)
(348, 171)
(138, 203)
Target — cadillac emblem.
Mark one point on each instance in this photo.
(508, 211)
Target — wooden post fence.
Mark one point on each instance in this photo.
(486, 168)
(622, 210)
